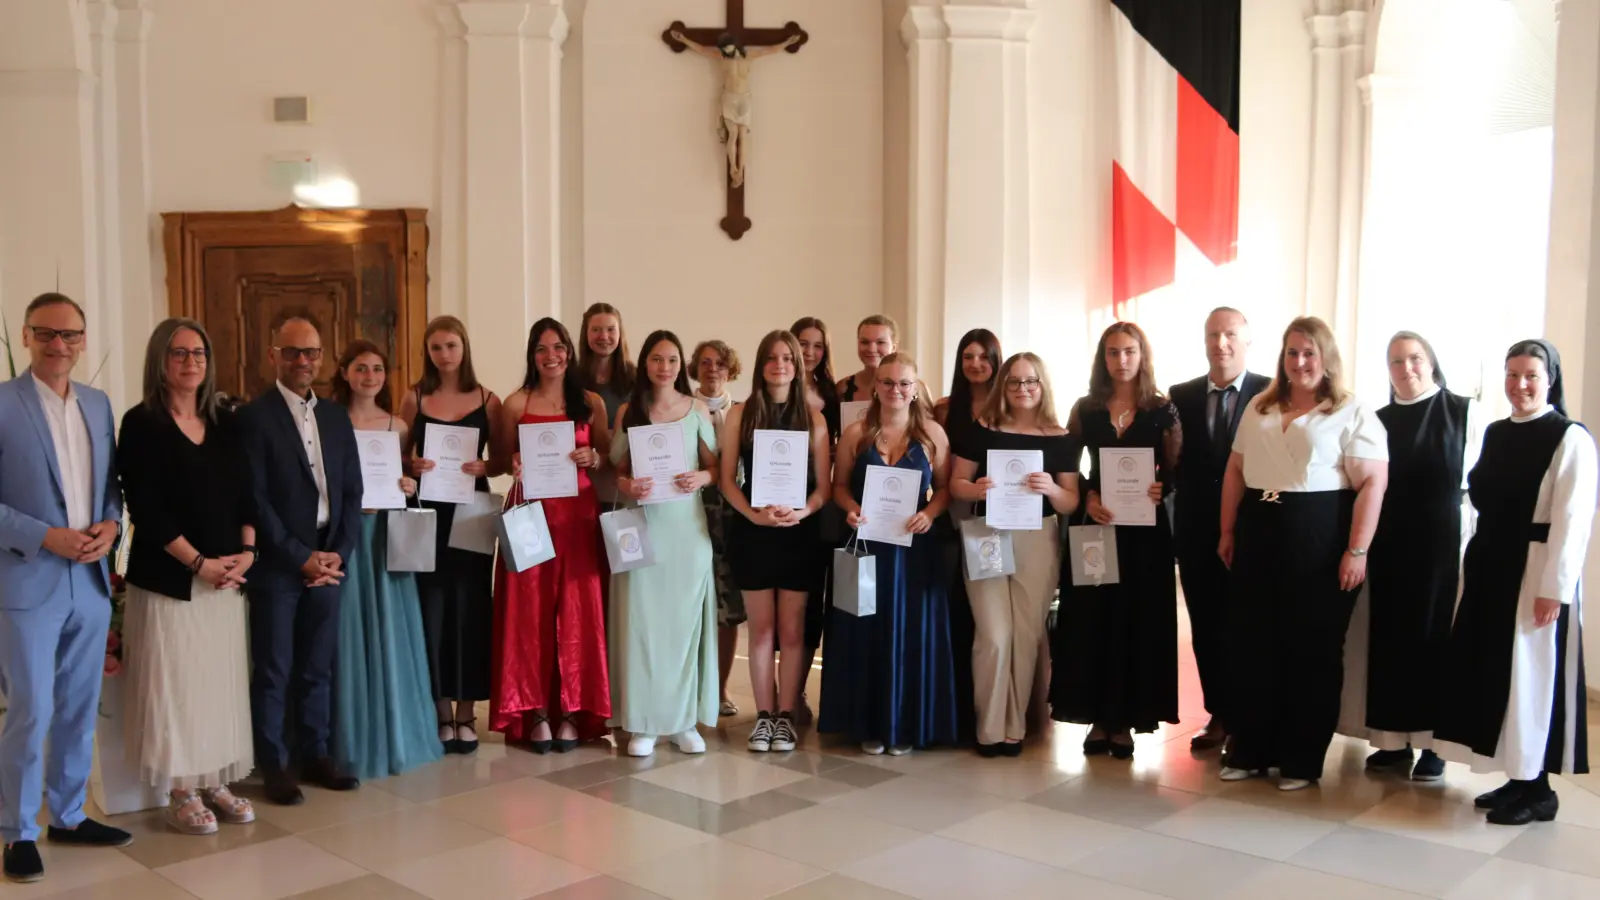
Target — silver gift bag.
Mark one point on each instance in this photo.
(855, 579)
(412, 539)
(985, 552)
(476, 523)
(524, 537)
(627, 537)
(1092, 551)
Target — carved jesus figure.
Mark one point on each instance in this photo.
(733, 119)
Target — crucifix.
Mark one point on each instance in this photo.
(733, 47)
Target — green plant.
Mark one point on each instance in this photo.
(5, 338)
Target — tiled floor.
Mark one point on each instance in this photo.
(825, 823)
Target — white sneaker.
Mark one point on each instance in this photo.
(642, 745)
(872, 748)
(1231, 774)
(690, 741)
(900, 750)
(1294, 784)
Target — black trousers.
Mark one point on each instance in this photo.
(294, 639)
(1287, 619)
(1205, 593)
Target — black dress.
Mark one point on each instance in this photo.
(1114, 653)
(782, 559)
(458, 595)
(1414, 564)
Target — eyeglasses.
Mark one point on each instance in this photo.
(715, 364)
(311, 354)
(1022, 384)
(182, 355)
(901, 386)
(71, 336)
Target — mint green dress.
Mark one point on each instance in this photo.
(663, 625)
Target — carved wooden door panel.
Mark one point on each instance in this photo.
(355, 274)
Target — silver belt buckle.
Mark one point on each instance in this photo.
(1270, 497)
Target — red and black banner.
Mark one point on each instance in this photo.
(1175, 177)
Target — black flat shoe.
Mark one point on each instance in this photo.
(567, 745)
(89, 833)
(1523, 810)
(1500, 796)
(465, 747)
(22, 862)
(450, 745)
(1121, 751)
(990, 751)
(1011, 749)
(539, 747)
(281, 788)
(1096, 746)
(1396, 762)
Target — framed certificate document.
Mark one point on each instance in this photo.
(380, 470)
(1010, 505)
(1126, 474)
(779, 463)
(547, 466)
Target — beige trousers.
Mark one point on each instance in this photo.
(1009, 617)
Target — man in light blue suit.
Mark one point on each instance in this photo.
(60, 510)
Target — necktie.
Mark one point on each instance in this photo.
(1221, 419)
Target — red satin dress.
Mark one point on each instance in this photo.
(549, 623)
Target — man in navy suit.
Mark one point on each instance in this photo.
(306, 476)
(60, 510)
(1209, 408)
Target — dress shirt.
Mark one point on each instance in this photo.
(1214, 393)
(304, 411)
(74, 457)
(1310, 455)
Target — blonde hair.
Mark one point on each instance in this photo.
(882, 321)
(1332, 387)
(997, 409)
(921, 409)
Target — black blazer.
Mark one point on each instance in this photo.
(1198, 499)
(175, 488)
(286, 491)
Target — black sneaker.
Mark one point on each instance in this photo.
(761, 738)
(89, 833)
(1397, 762)
(1429, 767)
(783, 734)
(23, 863)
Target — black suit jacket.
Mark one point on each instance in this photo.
(286, 490)
(1198, 499)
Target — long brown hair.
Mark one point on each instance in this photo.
(1332, 386)
(572, 395)
(639, 397)
(759, 410)
(822, 376)
(921, 410)
(430, 380)
(623, 371)
(206, 399)
(997, 409)
(342, 392)
(1101, 384)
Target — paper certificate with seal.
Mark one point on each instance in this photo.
(1010, 505)
(547, 466)
(853, 411)
(450, 447)
(1126, 474)
(656, 452)
(779, 463)
(888, 501)
(380, 470)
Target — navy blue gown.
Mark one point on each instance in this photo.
(890, 676)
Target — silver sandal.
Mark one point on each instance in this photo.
(197, 820)
(228, 806)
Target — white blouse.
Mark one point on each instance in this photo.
(1310, 455)
(1567, 498)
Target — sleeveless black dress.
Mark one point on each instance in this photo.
(763, 558)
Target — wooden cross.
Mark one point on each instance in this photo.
(736, 223)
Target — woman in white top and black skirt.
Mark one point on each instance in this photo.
(1300, 503)
(1514, 664)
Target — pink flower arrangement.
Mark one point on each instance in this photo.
(113, 665)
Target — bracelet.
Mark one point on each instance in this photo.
(199, 561)
(251, 549)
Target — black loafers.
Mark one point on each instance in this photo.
(23, 863)
(89, 833)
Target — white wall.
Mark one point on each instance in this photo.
(653, 174)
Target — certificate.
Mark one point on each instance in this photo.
(1126, 474)
(1010, 504)
(888, 501)
(547, 466)
(853, 411)
(779, 463)
(380, 470)
(450, 447)
(656, 452)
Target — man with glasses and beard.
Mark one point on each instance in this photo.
(306, 475)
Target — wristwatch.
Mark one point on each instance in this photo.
(1357, 551)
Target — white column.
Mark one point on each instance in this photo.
(970, 216)
(511, 187)
(107, 367)
(48, 163)
(144, 298)
(1338, 162)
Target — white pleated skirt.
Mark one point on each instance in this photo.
(187, 701)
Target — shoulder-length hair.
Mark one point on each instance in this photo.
(760, 411)
(342, 392)
(997, 409)
(206, 400)
(921, 410)
(960, 387)
(639, 398)
(623, 371)
(1101, 384)
(882, 321)
(430, 380)
(822, 377)
(728, 355)
(572, 395)
(1332, 387)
